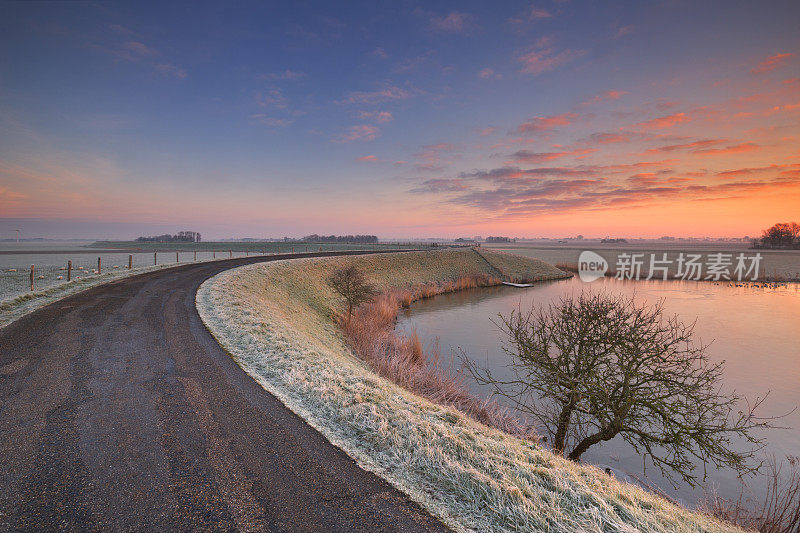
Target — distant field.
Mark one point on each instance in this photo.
(50, 258)
(253, 247)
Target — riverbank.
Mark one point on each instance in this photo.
(278, 322)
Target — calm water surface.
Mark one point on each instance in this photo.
(755, 330)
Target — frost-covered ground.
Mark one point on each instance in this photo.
(275, 319)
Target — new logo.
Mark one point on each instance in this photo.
(591, 266)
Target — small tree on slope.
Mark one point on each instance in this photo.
(352, 285)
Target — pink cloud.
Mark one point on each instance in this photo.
(539, 61)
(532, 13)
(535, 13)
(487, 73)
(272, 98)
(664, 122)
(138, 49)
(432, 152)
(540, 124)
(625, 30)
(453, 22)
(368, 159)
(285, 75)
(604, 97)
(168, 69)
(361, 132)
(381, 117)
(771, 63)
(271, 121)
(376, 97)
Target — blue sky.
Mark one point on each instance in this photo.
(399, 118)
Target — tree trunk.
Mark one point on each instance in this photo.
(563, 425)
(607, 433)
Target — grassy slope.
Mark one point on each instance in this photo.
(275, 319)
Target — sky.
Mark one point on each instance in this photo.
(401, 119)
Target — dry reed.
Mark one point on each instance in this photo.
(403, 359)
(778, 512)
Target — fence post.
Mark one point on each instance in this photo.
(130, 262)
(98, 265)
(32, 274)
(177, 259)
(215, 254)
(69, 270)
(155, 258)
(230, 253)
(195, 255)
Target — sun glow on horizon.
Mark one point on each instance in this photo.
(576, 123)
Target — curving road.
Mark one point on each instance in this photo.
(119, 411)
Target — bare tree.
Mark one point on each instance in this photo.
(352, 285)
(594, 367)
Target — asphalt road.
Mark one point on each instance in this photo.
(119, 411)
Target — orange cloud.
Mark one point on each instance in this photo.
(734, 149)
(771, 63)
(368, 159)
(539, 61)
(664, 122)
(539, 124)
(704, 144)
(605, 96)
(606, 138)
(526, 156)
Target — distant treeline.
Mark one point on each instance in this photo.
(360, 239)
(181, 236)
(498, 239)
(782, 235)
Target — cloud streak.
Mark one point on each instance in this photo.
(361, 132)
(380, 96)
(543, 124)
(771, 63)
(537, 62)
